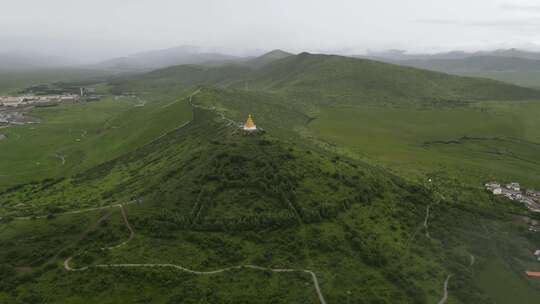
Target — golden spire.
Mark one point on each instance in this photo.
(250, 126)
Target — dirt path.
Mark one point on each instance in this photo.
(424, 225)
(426, 222)
(82, 236)
(142, 102)
(445, 290)
(196, 272)
(62, 158)
(93, 227)
(128, 226)
(68, 267)
(78, 211)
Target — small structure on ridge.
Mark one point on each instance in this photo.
(250, 125)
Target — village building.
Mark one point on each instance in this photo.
(533, 274)
(513, 186)
(532, 193)
(497, 191)
(493, 185)
(530, 198)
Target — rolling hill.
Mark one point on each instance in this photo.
(512, 65)
(234, 199)
(337, 79)
(162, 58)
(268, 58)
(364, 185)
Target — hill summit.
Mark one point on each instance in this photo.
(268, 58)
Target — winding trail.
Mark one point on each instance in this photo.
(131, 231)
(445, 290)
(78, 211)
(423, 225)
(142, 102)
(68, 260)
(472, 260)
(62, 158)
(426, 222)
(196, 272)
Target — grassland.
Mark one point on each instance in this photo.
(458, 147)
(496, 140)
(336, 183)
(74, 137)
(214, 197)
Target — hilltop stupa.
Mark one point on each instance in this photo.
(249, 125)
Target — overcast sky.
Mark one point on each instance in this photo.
(99, 29)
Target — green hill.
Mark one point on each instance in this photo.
(212, 196)
(521, 71)
(336, 79)
(364, 181)
(268, 58)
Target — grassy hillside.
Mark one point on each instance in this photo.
(74, 137)
(475, 143)
(337, 184)
(212, 196)
(268, 58)
(336, 79)
(520, 71)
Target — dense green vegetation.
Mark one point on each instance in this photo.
(337, 183)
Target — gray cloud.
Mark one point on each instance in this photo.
(507, 24)
(105, 28)
(521, 8)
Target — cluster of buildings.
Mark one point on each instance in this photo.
(531, 199)
(513, 191)
(26, 100)
(14, 118)
(534, 274)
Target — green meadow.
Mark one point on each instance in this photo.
(477, 142)
(76, 136)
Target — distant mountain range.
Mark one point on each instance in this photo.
(329, 79)
(404, 55)
(184, 55)
(29, 61)
(166, 57)
(509, 65)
